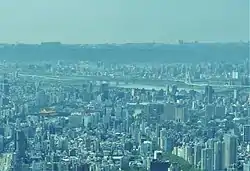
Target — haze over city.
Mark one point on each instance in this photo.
(127, 21)
(124, 85)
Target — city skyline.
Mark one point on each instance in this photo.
(98, 22)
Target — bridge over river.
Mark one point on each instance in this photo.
(123, 81)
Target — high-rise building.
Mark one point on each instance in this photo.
(168, 144)
(1, 143)
(40, 98)
(230, 149)
(181, 114)
(207, 159)
(188, 154)
(209, 94)
(197, 154)
(5, 86)
(174, 89)
(169, 112)
(163, 134)
(219, 157)
(20, 143)
(104, 89)
(246, 133)
(235, 94)
(210, 110)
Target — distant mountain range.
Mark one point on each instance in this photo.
(147, 52)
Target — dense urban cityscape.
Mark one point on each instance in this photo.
(101, 115)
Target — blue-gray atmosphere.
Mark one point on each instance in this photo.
(123, 21)
(124, 85)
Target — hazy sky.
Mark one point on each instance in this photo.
(119, 21)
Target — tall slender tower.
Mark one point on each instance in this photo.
(187, 77)
(5, 85)
(209, 93)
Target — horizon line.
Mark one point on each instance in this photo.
(180, 42)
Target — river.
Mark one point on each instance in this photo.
(113, 83)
